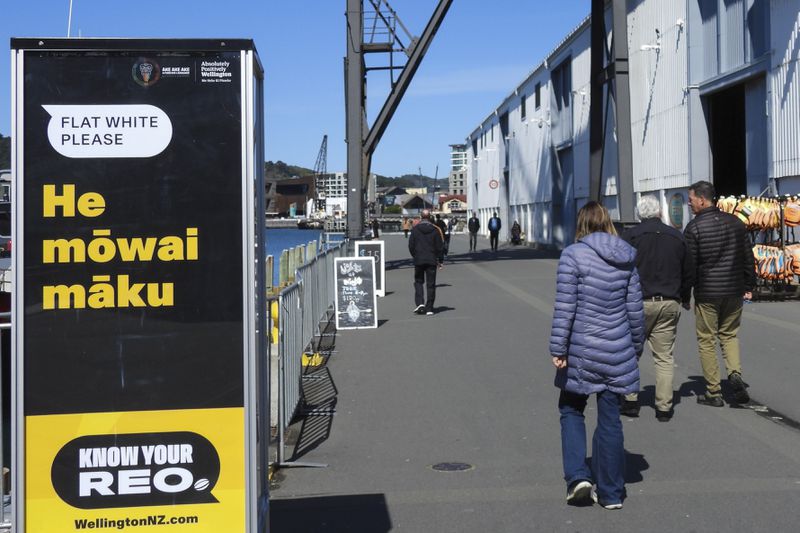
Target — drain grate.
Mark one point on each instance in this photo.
(452, 467)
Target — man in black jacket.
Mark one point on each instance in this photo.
(724, 274)
(473, 225)
(665, 271)
(426, 246)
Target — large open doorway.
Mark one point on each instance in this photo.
(727, 132)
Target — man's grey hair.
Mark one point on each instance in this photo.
(648, 207)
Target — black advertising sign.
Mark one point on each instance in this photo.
(132, 288)
(356, 302)
(374, 249)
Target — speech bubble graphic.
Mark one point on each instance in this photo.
(101, 131)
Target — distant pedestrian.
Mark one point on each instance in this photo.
(449, 223)
(473, 225)
(406, 226)
(665, 271)
(597, 335)
(375, 227)
(516, 233)
(442, 225)
(426, 246)
(494, 231)
(724, 275)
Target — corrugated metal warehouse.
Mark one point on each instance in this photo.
(715, 95)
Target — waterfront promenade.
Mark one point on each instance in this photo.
(473, 384)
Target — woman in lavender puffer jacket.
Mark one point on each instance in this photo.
(597, 336)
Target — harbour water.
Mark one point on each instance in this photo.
(280, 239)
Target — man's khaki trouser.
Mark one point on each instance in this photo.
(661, 327)
(718, 320)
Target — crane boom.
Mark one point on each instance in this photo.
(320, 173)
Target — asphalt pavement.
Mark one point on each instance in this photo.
(471, 387)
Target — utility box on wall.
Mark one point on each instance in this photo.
(137, 313)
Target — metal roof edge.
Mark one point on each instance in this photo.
(121, 43)
(586, 22)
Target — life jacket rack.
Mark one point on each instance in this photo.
(771, 221)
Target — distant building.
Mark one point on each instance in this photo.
(458, 169)
(5, 185)
(714, 95)
(293, 196)
(334, 185)
(388, 196)
(453, 203)
(413, 204)
(270, 206)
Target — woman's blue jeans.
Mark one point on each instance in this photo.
(608, 448)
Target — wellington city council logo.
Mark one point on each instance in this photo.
(146, 72)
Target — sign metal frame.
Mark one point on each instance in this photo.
(251, 277)
(380, 265)
(354, 279)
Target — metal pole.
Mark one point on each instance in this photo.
(355, 100)
(598, 84)
(69, 19)
(622, 94)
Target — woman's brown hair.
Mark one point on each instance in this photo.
(594, 217)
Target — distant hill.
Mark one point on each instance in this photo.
(281, 171)
(278, 170)
(5, 151)
(411, 180)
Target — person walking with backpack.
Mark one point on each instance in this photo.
(595, 341)
(494, 231)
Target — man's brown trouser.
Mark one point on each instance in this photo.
(718, 320)
(661, 326)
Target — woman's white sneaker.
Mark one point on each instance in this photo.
(579, 491)
(609, 506)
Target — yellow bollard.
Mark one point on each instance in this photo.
(312, 359)
(275, 315)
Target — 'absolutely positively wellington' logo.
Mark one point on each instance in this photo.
(146, 72)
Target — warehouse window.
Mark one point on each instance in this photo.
(537, 96)
(522, 108)
(562, 84)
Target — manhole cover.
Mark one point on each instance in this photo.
(452, 467)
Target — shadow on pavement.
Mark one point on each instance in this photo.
(635, 464)
(318, 408)
(516, 253)
(361, 512)
(694, 387)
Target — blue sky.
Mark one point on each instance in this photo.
(481, 52)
